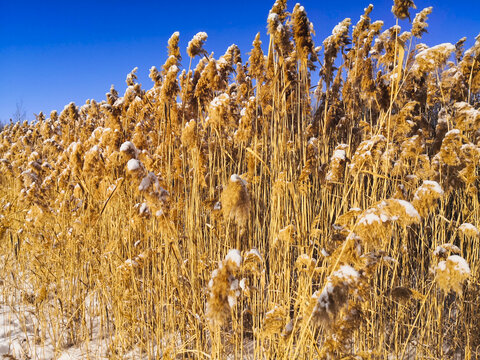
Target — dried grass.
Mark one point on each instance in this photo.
(355, 215)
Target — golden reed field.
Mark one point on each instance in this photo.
(236, 210)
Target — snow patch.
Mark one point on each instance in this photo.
(133, 165)
(460, 264)
(234, 256)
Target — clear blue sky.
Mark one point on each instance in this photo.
(54, 52)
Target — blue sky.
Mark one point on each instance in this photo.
(54, 52)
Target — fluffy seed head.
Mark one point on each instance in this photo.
(236, 200)
(451, 273)
(401, 8)
(195, 46)
(334, 295)
(426, 196)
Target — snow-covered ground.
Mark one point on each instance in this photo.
(20, 339)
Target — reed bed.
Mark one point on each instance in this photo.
(235, 210)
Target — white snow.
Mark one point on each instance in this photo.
(272, 17)
(214, 275)
(453, 248)
(232, 301)
(254, 252)
(380, 212)
(369, 218)
(130, 263)
(346, 272)
(442, 266)
(128, 146)
(410, 210)
(434, 185)
(467, 227)
(289, 327)
(242, 284)
(236, 178)
(234, 285)
(428, 185)
(312, 140)
(447, 47)
(453, 132)
(220, 100)
(389, 259)
(439, 250)
(271, 312)
(119, 102)
(339, 154)
(147, 181)
(133, 165)
(19, 332)
(341, 27)
(143, 208)
(460, 263)
(324, 298)
(221, 62)
(73, 147)
(94, 148)
(173, 69)
(200, 36)
(234, 256)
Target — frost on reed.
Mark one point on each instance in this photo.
(334, 296)
(443, 250)
(195, 46)
(224, 288)
(280, 32)
(401, 8)
(376, 223)
(419, 24)
(337, 164)
(431, 58)
(235, 201)
(302, 34)
(469, 230)
(451, 273)
(426, 197)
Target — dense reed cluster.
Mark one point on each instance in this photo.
(236, 210)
